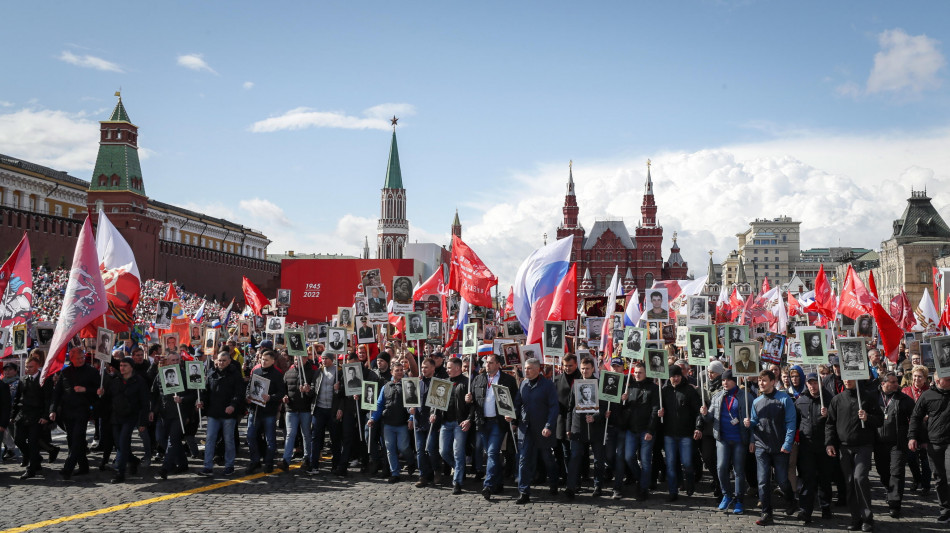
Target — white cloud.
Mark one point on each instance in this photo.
(905, 63)
(88, 61)
(4, 103)
(195, 62)
(374, 118)
(265, 210)
(57, 139)
(248, 85)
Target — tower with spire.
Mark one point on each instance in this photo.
(456, 225)
(393, 228)
(117, 187)
(570, 226)
(649, 234)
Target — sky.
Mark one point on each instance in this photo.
(275, 116)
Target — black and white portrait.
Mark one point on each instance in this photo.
(257, 388)
(275, 325)
(353, 379)
(864, 326)
(434, 329)
(813, 350)
(554, 337)
(322, 330)
(469, 338)
(369, 396)
(283, 297)
(415, 326)
(940, 348)
(439, 394)
(585, 396)
(698, 345)
(336, 342)
(296, 347)
(503, 403)
(698, 310)
(610, 386)
(211, 340)
(402, 290)
(410, 392)
(170, 379)
(312, 332)
(344, 317)
(376, 299)
(196, 374)
(163, 314)
(853, 358)
(745, 359)
(513, 329)
(364, 333)
(103, 346)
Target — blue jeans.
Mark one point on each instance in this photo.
(427, 453)
(679, 450)
(224, 427)
(122, 433)
(397, 444)
(529, 448)
(296, 422)
(731, 454)
(493, 434)
(764, 462)
(631, 443)
(269, 425)
(452, 448)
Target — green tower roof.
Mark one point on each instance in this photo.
(393, 173)
(119, 114)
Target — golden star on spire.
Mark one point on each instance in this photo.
(394, 120)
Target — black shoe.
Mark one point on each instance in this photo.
(53, 454)
(895, 512)
(867, 526)
(827, 513)
(119, 478)
(523, 499)
(163, 473)
(766, 520)
(456, 489)
(283, 465)
(27, 475)
(803, 516)
(395, 479)
(944, 517)
(791, 510)
(569, 494)
(643, 495)
(597, 492)
(269, 468)
(252, 468)
(133, 467)
(65, 475)
(854, 527)
(486, 493)
(553, 490)
(672, 497)
(81, 471)
(181, 469)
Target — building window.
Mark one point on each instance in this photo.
(648, 281)
(71, 212)
(58, 210)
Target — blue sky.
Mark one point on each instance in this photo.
(274, 115)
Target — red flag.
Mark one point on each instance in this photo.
(84, 300)
(564, 305)
(857, 300)
(765, 285)
(745, 313)
(945, 316)
(853, 304)
(434, 286)
(510, 302)
(253, 296)
(936, 282)
(469, 276)
(824, 299)
(794, 306)
(735, 305)
(16, 286)
(120, 276)
(872, 286)
(902, 312)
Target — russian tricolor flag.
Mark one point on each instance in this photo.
(541, 277)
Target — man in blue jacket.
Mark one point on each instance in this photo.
(726, 409)
(773, 419)
(537, 409)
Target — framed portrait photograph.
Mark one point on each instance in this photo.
(853, 358)
(940, 350)
(283, 297)
(275, 325)
(794, 352)
(509, 351)
(360, 307)
(585, 396)
(296, 345)
(480, 329)
(864, 326)
(655, 330)
(170, 343)
(311, 333)
(171, 381)
(257, 388)
(370, 277)
(513, 329)
(814, 346)
(194, 334)
(657, 367)
(323, 329)
(469, 338)
(402, 294)
(682, 320)
(570, 328)
(634, 343)
(433, 330)
(439, 394)
(503, 402)
(927, 356)
(344, 318)
(745, 359)
(44, 333)
(244, 330)
(734, 334)
(657, 305)
(531, 351)
(105, 340)
(370, 394)
(490, 331)
(774, 347)
(353, 379)
(336, 343)
(681, 340)
(611, 386)
(553, 339)
(698, 310)
(211, 341)
(416, 326)
(365, 334)
(18, 332)
(410, 392)
(698, 348)
(376, 299)
(196, 374)
(163, 314)
(595, 328)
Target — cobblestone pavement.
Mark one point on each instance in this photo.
(293, 501)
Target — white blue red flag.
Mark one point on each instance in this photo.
(537, 283)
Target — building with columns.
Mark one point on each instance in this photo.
(609, 244)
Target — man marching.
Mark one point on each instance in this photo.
(537, 408)
(491, 426)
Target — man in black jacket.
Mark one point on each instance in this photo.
(814, 465)
(73, 397)
(564, 384)
(427, 440)
(297, 406)
(128, 395)
(890, 446)
(586, 430)
(934, 435)
(222, 405)
(455, 424)
(850, 432)
(682, 424)
(32, 408)
(264, 418)
(394, 418)
(640, 404)
(175, 411)
(491, 426)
